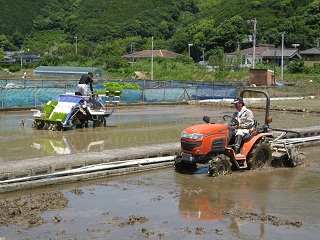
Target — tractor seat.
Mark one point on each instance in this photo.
(253, 131)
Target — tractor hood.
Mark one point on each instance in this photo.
(197, 132)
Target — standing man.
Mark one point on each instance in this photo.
(245, 119)
(83, 82)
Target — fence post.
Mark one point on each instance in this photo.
(143, 94)
(35, 97)
(2, 98)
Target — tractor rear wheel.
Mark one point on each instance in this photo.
(219, 165)
(100, 122)
(260, 156)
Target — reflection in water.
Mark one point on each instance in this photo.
(245, 196)
(128, 127)
(53, 146)
(203, 201)
(60, 147)
(123, 130)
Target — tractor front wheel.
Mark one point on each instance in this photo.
(219, 165)
(183, 166)
(260, 156)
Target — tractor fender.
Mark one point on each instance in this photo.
(247, 146)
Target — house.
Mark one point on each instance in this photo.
(8, 58)
(29, 58)
(311, 56)
(11, 57)
(148, 54)
(275, 55)
(263, 52)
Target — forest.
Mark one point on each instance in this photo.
(100, 32)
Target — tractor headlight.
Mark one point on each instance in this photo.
(193, 136)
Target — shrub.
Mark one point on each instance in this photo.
(14, 68)
(120, 85)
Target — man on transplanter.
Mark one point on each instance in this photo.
(83, 82)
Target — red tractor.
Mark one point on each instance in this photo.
(213, 144)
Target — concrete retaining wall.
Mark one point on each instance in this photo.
(52, 164)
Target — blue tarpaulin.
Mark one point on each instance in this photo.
(216, 92)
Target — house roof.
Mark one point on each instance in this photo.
(260, 49)
(8, 61)
(156, 53)
(28, 56)
(268, 50)
(312, 51)
(277, 52)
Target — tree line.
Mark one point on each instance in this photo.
(99, 32)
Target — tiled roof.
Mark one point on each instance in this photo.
(266, 50)
(311, 51)
(277, 52)
(28, 56)
(156, 53)
(249, 51)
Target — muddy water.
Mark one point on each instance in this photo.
(127, 127)
(270, 204)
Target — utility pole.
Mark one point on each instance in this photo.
(76, 37)
(282, 47)
(56, 48)
(132, 51)
(254, 42)
(238, 46)
(202, 49)
(151, 58)
(21, 51)
(189, 46)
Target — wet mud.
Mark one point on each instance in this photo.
(272, 203)
(26, 211)
(163, 204)
(261, 218)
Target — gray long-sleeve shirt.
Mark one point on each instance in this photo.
(245, 118)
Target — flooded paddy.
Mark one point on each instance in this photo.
(127, 127)
(268, 204)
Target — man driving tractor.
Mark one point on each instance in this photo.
(245, 119)
(217, 144)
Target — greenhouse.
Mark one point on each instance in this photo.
(56, 71)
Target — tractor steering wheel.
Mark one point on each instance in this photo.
(233, 120)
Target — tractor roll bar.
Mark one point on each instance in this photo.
(267, 102)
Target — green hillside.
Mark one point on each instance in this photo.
(104, 30)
